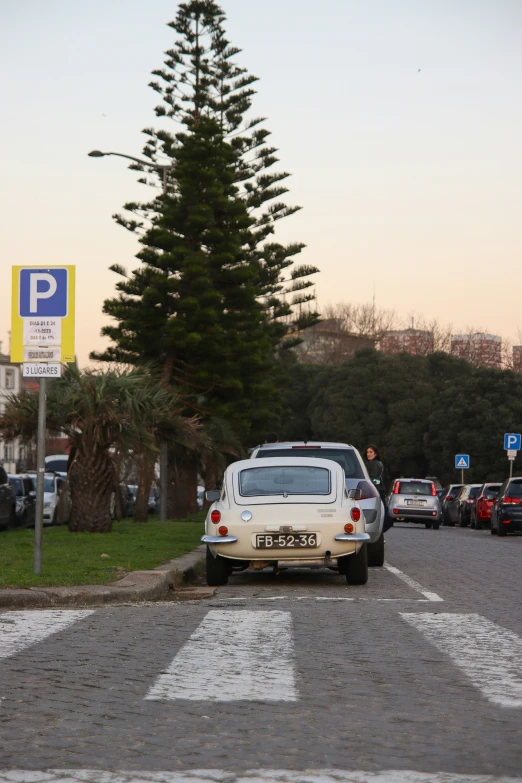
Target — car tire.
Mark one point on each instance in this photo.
(217, 570)
(501, 532)
(478, 525)
(376, 553)
(436, 525)
(462, 522)
(428, 525)
(357, 567)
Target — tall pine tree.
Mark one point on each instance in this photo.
(214, 296)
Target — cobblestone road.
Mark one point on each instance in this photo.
(372, 679)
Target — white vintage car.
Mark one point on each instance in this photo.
(285, 512)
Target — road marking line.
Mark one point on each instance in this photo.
(250, 776)
(233, 655)
(412, 583)
(21, 629)
(487, 653)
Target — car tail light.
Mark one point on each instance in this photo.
(511, 501)
(469, 500)
(448, 497)
(368, 490)
(433, 490)
(397, 488)
(433, 513)
(348, 528)
(395, 510)
(355, 514)
(222, 530)
(215, 517)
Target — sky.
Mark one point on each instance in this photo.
(399, 120)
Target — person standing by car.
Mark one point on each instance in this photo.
(375, 468)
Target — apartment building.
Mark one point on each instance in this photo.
(414, 341)
(479, 348)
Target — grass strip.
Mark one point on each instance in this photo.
(81, 558)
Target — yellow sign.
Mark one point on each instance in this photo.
(42, 314)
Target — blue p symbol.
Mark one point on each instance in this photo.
(512, 441)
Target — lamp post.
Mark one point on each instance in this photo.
(164, 449)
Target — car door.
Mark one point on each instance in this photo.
(5, 497)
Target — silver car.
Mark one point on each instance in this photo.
(356, 477)
(415, 500)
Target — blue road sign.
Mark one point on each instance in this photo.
(462, 461)
(512, 441)
(43, 293)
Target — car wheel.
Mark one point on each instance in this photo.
(501, 531)
(357, 567)
(376, 553)
(436, 525)
(462, 522)
(217, 570)
(428, 525)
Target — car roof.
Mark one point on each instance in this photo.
(292, 443)
(404, 478)
(312, 462)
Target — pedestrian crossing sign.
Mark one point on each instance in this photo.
(462, 461)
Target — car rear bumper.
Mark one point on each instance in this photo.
(419, 514)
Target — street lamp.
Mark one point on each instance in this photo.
(164, 449)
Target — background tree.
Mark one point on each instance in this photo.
(212, 298)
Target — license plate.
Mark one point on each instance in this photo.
(416, 502)
(286, 541)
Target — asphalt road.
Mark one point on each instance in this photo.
(419, 671)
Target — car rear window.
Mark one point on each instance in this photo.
(415, 488)
(474, 492)
(293, 480)
(344, 457)
(59, 465)
(515, 488)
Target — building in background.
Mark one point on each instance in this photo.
(418, 342)
(479, 348)
(328, 342)
(517, 358)
(11, 452)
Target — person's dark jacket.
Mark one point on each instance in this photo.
(376, 471)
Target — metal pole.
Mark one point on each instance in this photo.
(462, 475)
(40, 471)
(510, 468)
(164, 481)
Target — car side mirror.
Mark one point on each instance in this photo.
(32, 494)
(212, 495)
(355, 494)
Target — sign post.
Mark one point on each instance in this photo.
(42, 337)
(512, 443)
(462, 464)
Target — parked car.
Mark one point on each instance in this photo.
(200, 499)
(153, 501)
(57, 463)
(285, 512)
(132, 491)
(356, 477)
(55, 511)
(415, 500)
(481, 509)
(7, 501)
(465, 502)
(506, 512)
(449, 497)
(25, 494)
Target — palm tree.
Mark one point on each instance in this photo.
(101, 412)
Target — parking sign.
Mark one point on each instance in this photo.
(512, 441)
(43, 311)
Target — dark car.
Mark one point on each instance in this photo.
(25, 495)
(481, 510)
(506, 512)
(462, 507)
(449, 496)
(7, 501)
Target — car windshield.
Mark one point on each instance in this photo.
(344, 457)
(415, 488)
(515, 488)
(277, 480)
(59, 465)
(49, 485)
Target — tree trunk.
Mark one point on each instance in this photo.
(145, 475)
(91, 482)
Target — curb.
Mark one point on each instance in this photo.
(136, 586)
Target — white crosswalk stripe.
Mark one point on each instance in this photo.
(250, 776)
(233, 655)
(487, 653)
(21, 629)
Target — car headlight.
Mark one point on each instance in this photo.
(19, 503)
(48, 506)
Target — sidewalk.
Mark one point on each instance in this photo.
(136, 586)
